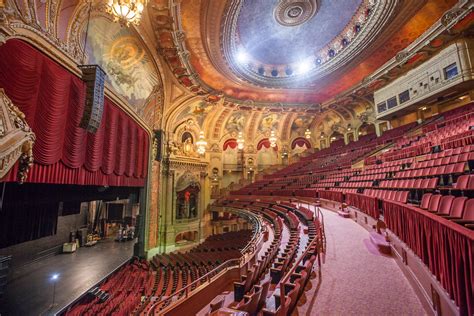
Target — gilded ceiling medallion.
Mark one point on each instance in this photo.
(295, 12)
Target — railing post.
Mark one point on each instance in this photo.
(282, 298)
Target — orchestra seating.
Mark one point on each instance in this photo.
(120, 293)
(165, 274)
(419, 176)
(285, 267)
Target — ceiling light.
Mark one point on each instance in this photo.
(126, 11)
(240, 141)
(242, 57)
(307, 134)
(303, 67)
(201, 144)
(272, 139)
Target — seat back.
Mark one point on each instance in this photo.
(470, 185)
(457, 207)
(434, 203)
(404, 196)
(462, 182)
(445, 204)
(425, 200)
(469, 210)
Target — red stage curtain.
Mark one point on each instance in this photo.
(53, 101)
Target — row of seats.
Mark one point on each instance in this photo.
(458, 209)
(250, 294)
(123, 290)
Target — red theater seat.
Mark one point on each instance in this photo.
(468, 215)
(462, 182)
(425, 201)
(457, 207)
(434, 203)
(445, 205)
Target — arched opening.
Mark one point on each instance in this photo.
(300, 145)
(350, 137)
(232, 160)
(187, 202)
(266, 155)
(336, 139)
(366, 129)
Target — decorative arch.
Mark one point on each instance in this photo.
(230, 143)
(265, 143)
(366, 128)
(300, 142)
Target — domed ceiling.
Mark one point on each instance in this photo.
(284, 43)
(293, 52)
(291, 31)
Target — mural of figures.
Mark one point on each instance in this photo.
(300, 124)
(120, 53)
(236, 122)
(199, 111)
(269, 122)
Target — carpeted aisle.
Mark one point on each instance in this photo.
(356, 278)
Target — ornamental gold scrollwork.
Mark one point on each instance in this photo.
(16, 139)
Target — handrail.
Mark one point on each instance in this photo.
(208, 277)
(316, 241)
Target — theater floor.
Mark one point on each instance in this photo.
(30, 290)
(356, 278)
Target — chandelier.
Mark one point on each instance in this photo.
(272, 139)
(126, 11)
(240, 141)
(201, 144)
(307, 133)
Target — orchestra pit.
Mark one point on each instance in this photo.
(236, 157)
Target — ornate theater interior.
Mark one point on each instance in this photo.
(237, 157)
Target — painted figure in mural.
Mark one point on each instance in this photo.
(269, 122)
(188, 147)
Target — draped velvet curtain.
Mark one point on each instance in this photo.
(300, 142)
(445, 247)
(52, 100)
(232, 143)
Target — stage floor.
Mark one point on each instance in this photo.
(30, 289)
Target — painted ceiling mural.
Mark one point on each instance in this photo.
(120, 53)
(300, 124)
(236, 122)
(197, 54)
(264, 37)
(269, 122)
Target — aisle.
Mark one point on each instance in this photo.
(356, 278)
